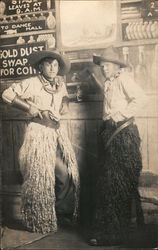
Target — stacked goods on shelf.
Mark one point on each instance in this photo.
(141, 30)
(139, 19)
(130, 13)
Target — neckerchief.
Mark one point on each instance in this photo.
(51, 87)
(107, 88)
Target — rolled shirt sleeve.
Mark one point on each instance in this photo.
(20, 89)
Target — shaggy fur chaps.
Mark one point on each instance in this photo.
(37, 159)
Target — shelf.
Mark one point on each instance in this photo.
(132, 20)
(81, 60)
(27, 33)
(130, 1)
(30, 13)
(136, 43)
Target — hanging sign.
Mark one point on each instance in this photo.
(14, 60)
(150, 8)
(25, 6)
(13, 28)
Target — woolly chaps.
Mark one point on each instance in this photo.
(37, 158)
(117, 181)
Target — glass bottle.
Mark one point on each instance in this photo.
(48, 4)
(2, 8)
(79, 93)
(26, 18)
(33, 18)
(154, 69)
(39, 38)
(50, 21)
(50, 41)
(31, 39)
(129, 67)
(19, 19)
(11, 19)
(148, 30)
(141, 70)
(75, 77)
(42, 17)
(128, 35)
(144, 30)
(154, 29)
(135, 31)
(20, 40)
(4, 19)
(139, 30)
(132, 30)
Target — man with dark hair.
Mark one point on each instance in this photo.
(50, 189)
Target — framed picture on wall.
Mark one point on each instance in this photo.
(90, 24)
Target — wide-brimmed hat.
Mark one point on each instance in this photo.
(36, 57)
(109, 55)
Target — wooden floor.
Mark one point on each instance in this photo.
(72, 239)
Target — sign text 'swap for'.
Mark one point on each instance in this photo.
(14, 60)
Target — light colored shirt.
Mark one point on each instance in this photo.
(38, 90)
(123, 98)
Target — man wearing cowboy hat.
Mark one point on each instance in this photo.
(48, 164)
(119, 152)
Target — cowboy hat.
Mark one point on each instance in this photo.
(109, 55)
(36, 57)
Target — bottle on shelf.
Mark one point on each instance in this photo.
(26, 18)
(4, 19)
(144, 30)
(19, 19)
(148, 30)
(79, 93)
(31, 39)
(135, 31)
(140, 73)
(40, 38)
(11, 19)
(128, 31)
(2, 8)
(34, 17)
(154, 70)
(48, 4)
(75, 77)
(50, 21)
(154, 29)
(139, 30)
(131, 30)
(50, 41)
(20, 40)
(41, 17)
(129, 67)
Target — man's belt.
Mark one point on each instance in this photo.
(120, 128)
(46, 122)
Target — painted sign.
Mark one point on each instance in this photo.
(13, 28)
(150, 8)
(25, 6)
(14, 60)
